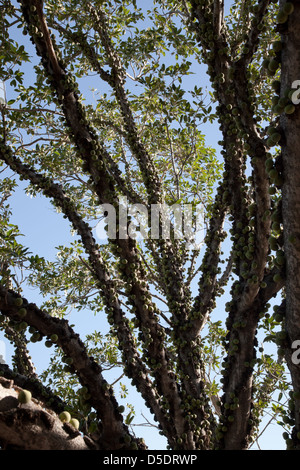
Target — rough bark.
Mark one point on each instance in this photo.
(31, 426)
(87, 369)
(290, 127)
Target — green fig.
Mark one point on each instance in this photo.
(270, 142)
(74, 422)
(278, 317)
(289, 109)
(22, 312)
(275, 137)
(65, 417)
(35, 337)
(277, 278)
(23, 325)
(278, 109)
(127, 438)
(282, 17)
(288, 8)
(283, 101)
(276, 84)
(24, 396)
(273, 65)
(273, 173)
(271, 130)
(269, 164)
(266, 62)
(134, 446)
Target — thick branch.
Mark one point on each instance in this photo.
(87, 370)
(146, 163)
(32, 427)
(208, 286)
(218, 16)
(290, 125)
(36, 387)
(253, 37)
(236, 111)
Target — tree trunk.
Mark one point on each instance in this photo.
(290, 127)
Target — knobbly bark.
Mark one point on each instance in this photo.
(232, 89)
(31, 426)
(290, 127)
(87, 370)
